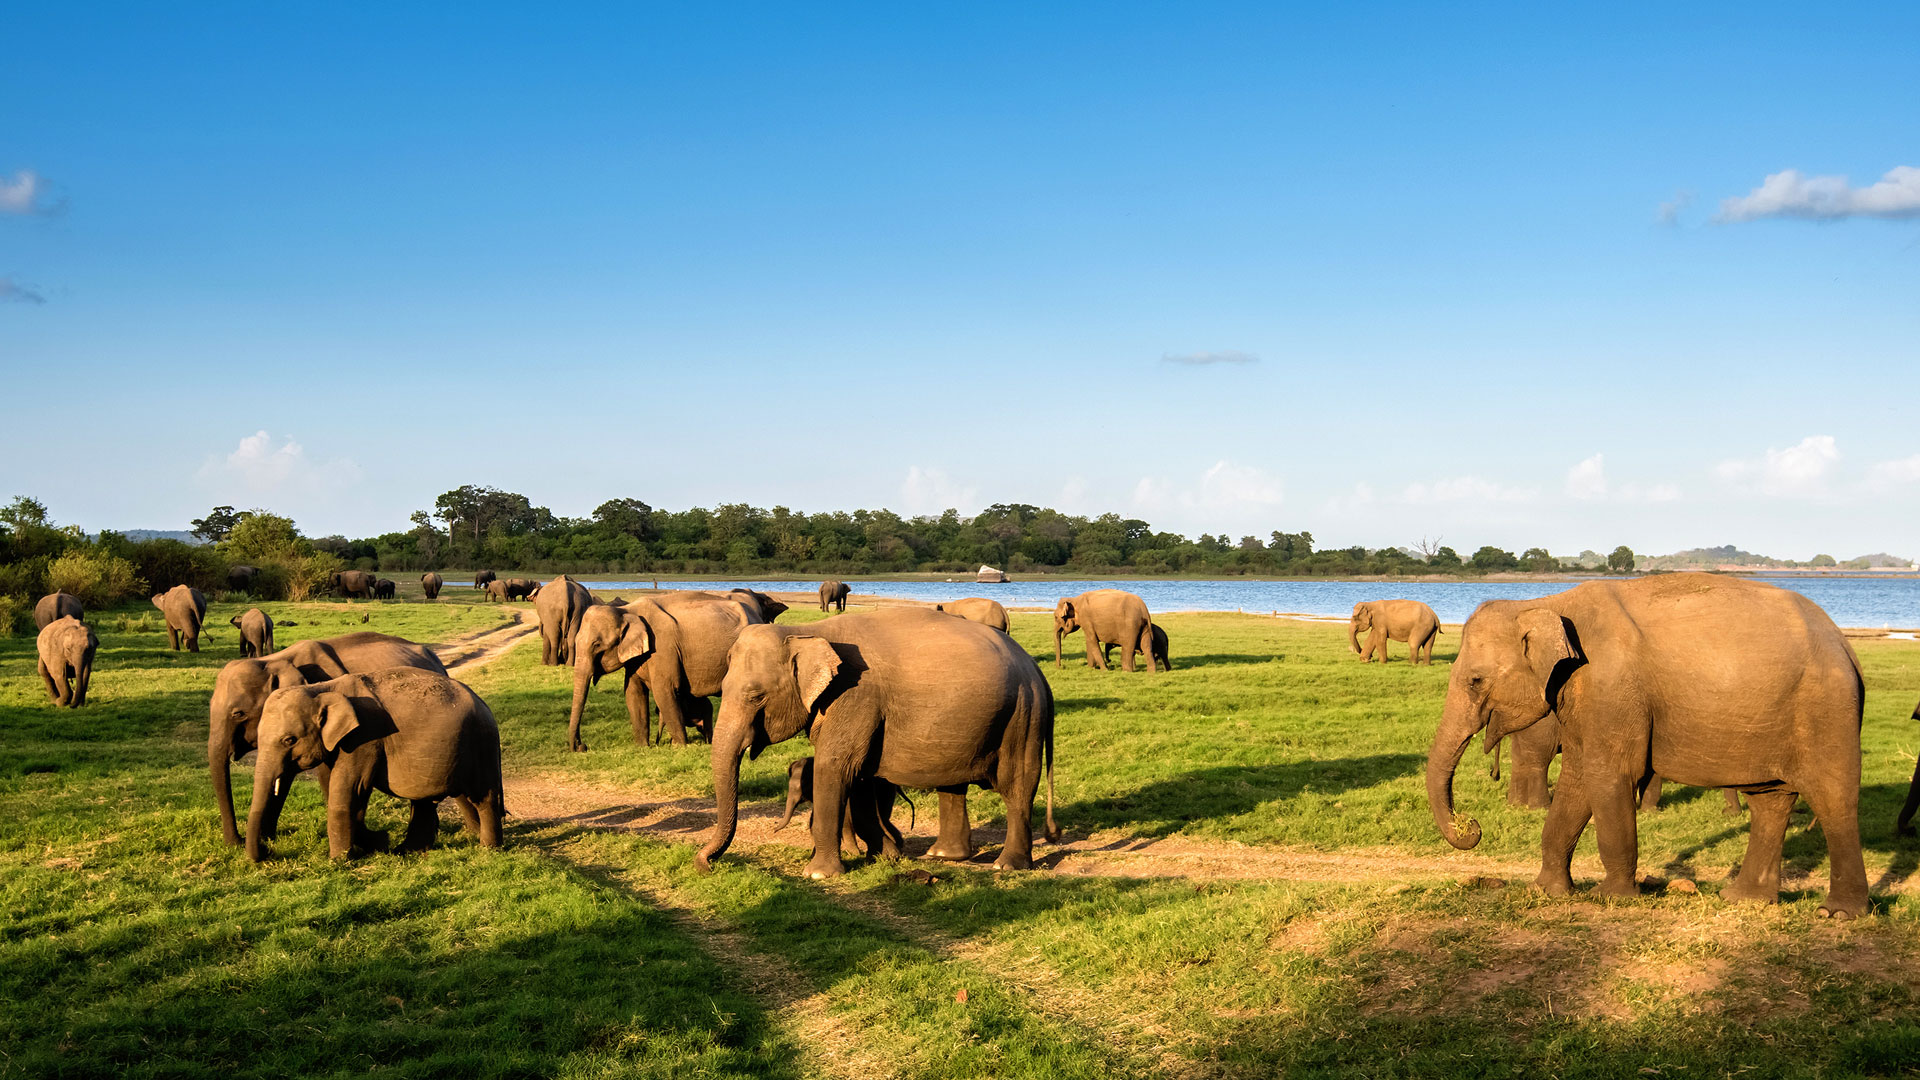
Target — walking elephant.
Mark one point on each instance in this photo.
(833, 595)
(1699, 679)
(1397, 620)
(1904, 826)
(357, 583)
(256, 632)
(1106, 615)
(482, 577)
(674, 653)
(385, 588)
(184, 609)
(241, 689)
(413, 734)
(55, 606)
(979, 609)
(66, 647)
(430, 584)
(560, 605)
(240, 578)
(906, 695)
(867, 825)
(496, 591)
(1161, 655)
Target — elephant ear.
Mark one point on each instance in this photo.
(1063, 610)
(338, 719)
(815, 663)
(1544, 635)
(636, 640)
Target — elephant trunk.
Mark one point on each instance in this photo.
(1056, 645)
(269, 794)
(1458, 725)
(582, 679)
(730, 738)
(1353, 635)
(219, 766)
(82, 675)
(793, 803)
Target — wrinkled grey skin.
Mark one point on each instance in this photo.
(868, 823)
(481, 578)
(358, 583)
(241, 689)
(413, 734)
(184, 609)
(1534, 749)
(56, 606)
(256, 632)
(673, 649)
(560, 604)
(384, 589)
(431, 583)
(66, 647)
(833, 595)
(240, 578)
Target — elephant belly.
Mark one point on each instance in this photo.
(1727, 754)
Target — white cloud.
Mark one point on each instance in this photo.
(1588, 480)
(1465, 489)
(1801, 469)
(930, 491)
(1361, 498)
(1669, 213)
(1198, 359)
(1792, 193)
(1224, 486)
(13, 290)
(24, 194)
(1887, 474)
(260, 469)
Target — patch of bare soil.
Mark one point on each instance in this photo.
(486, 646)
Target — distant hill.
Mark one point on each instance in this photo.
(1728, 555)
(1884, 560)
(181, 535)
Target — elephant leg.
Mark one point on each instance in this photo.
(1567, 818)
(1904, 826)
(1650, 797)
(638, 707)
(890, 839)
(1759, 877)
(1733, 807)
(1017, 852)
(1095, 658)
(491, 809)
(1610, 795)
(699, 712)
(53, 690)
(469, 817)
(831, 784)
(956, 832)
(1836, 806)
(1527, 780)
(423, 826)
(672, 719)
(343, 825)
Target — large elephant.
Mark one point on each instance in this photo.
(385, 588)
(413, 734)
(66, 647)
(256, 632)
(560, 604)
(867, 823)
(55, 606)
(358, 583)
(240, 578)
(1397, 620)
(979, 609)
(833, 595)
(482, 577)
(1161, 654)
(522, 588)
(185, 609)
(1105, 615)
(763, 605)
(1904, 827)
(1699, 679)
(907, 695)
(241, 689)
(430, 584)
(675, 653)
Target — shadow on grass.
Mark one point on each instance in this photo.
(1163, 808)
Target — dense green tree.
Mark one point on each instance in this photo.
(217, 524)
(1621, 560)
(1490, 558)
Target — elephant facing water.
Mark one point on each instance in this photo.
(1393, 620)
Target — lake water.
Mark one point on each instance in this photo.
(1862, 602)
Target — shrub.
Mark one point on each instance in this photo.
(28, 577)
(13, 613)
(306, 575)
(164, 563)
(98, 580)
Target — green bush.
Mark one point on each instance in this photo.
(306, 575)
(28, 577)
(13, 613)
(99, 581)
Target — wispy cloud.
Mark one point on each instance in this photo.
(1897, 473)
(1224, 486)
(259, 467)
(1201, 359)
(13, 290)
(930, 491)
(1669, 212)
(1793, 194)
(1588, 482)
(1799, 470)
(1465, 489)
(25, 193)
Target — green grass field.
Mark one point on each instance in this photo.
(134, 943)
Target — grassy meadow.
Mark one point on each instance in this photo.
(134, 943)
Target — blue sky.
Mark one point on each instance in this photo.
(1512, 275)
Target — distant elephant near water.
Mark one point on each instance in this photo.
(240, 578)
(520, 588)
(481, 578)
(56, 606)
(185, 609)
(256, 632)
(1106, 615)
(1393, 620)
(833, 595)
(358, 583)
(430, 584)
(979, 609)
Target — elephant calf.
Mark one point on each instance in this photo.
(979, 609)
(1160, 655)
(867, 824)
(384, 589)
(256, 632)
(430, 584)
(66, 648)
(185, 609)
(413, 734)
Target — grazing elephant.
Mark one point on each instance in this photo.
(430, 584)
(256, 632)
(481, 579)
(1160, 653)
(358, 583)
(415, 735)
(979, 609)
(496, 591)
(1904, 827)
(184, 609)
(240, 578)
(56, 606)
(1106, 615)
(906, 695)
(833, 595)
(763, 605)
(384, 589)
(66, 646)
(1398, 620)
(522, 589)
(241, 689)
(867, 824)
(560, 604)
(674, 652)
(1702, 680)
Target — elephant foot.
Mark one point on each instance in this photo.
(825, 867)
(1529, 801)
(950, 854)
(1010, 861)
(1746, 892)
(577, 746)
(1554, 884)
(1843, 910)
(1617, 888)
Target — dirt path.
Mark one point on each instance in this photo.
(486, 646)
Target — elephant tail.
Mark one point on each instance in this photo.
(1053, 830)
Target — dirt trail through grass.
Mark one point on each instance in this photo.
(485, 646)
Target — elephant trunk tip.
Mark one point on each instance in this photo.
(1463, 833)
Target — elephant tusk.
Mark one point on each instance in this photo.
(276, 787)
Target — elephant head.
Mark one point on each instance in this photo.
(70, 645)
(1065, 621)
(299, 729)
(1506, 679)
(240, 694)
(776, 684)
(1360, 622)
(609, 638)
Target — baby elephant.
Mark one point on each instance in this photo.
(256, 632)
(66, 649)
(1160, 654)
(868, 822)
(384, 588)
(416, 735)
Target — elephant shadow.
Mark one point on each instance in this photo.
(1165, 807)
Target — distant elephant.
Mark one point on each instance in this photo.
(867, 824)
(1904, 827)
(184, 609)
(256, 632)
(1703, 680)
(905, 695)
(674, 652)
(430, 584)
(481, 579)
(240, 578)
(1535, 747)
(56, 606)
(240, 692)
(358, 583)
(384, 589)
(1399, 620)
(983, 611)
(413, 734)
(765, 606)
(1160, 653)
(1106, 615)
(522, 588)
(66, 646)
(496, 591)
(560, 605)
(833, 595)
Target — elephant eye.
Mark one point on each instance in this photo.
(287, 740)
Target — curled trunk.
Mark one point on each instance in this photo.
(269, 794)
(1458, 725)
(730, 740)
